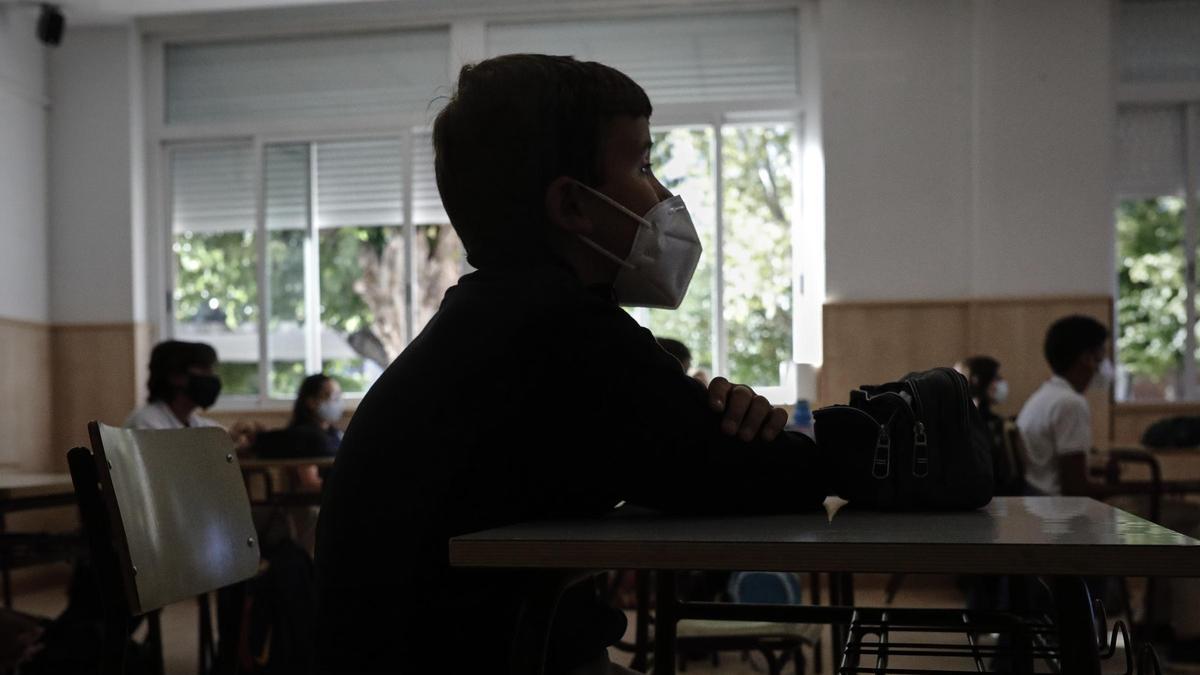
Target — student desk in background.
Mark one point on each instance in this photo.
(275, 481)
(20, 491)
(1062, 539)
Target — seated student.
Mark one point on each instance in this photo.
(494, 414)
(318, 408)
(312, 430)
(1056, 422)
(182, 381)
(990, 389)
(684, 356)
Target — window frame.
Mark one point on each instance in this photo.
(468, 43)
(1185, 98)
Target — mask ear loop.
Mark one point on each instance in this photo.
(642, 222)
(605, 252)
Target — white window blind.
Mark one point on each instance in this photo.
(287, 173)
(676, 59)
(326, 76)
(427, 202)
(1159, 41)
(1150, 151)
(360, 183)
(212, 188)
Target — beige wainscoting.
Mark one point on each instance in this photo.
(26, 410)
(872, 342)
(98, 374)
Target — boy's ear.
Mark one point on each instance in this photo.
(563, 208)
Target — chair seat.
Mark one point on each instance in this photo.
(705, 628)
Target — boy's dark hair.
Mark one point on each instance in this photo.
(310, 387)
(514, 124)
(1069, 338)
(174, 357)
(677, 349)
(981, 370)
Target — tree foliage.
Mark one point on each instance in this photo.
(1151, 313)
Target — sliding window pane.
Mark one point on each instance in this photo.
(682, 161)
(287, 213)
(363, 275)
(438, 254)
(757, 188)
(360, 214)
(439, 259)
(1150, 299)
(215, 293)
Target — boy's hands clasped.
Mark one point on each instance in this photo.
(746, 414)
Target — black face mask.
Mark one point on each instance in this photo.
(203, 389)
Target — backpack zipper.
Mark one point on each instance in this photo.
(920, 467)
(882, 466)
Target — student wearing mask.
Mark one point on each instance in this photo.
(990, 389)
(318, 409)
(1056, 422)
(543, 166)
(311, 432)
(182, 381)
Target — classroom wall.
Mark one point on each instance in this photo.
(24, 302)
(100, 337)
(967, 148)
(968, 194)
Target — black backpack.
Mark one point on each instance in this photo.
(916, 443)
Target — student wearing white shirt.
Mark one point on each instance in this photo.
(1056, 422)
(182, 381)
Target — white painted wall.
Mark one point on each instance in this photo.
(1045, 137)
(23, 243)
(96, 250)
(967, 148)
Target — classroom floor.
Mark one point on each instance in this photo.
(180, 644)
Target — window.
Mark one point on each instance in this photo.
(305, 227)
(1158, 162)
(1156, 252)
(348, 285)
(749, 275)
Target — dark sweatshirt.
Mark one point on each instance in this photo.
(527, 396)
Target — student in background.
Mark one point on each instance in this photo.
(990, 389)
(311, 432)
(1056, 422)
(182, 381)
(318, 408)
(684, 355)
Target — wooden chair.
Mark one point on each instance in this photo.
(166, 517)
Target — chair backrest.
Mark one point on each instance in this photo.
(176, 510)
(1015, 446)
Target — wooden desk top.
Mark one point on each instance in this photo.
(254, 463)
(1012, 535)
(22, 485)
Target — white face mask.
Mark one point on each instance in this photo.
(1001, 393)
(662, 259)
(331, 411)
(1103, 377)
